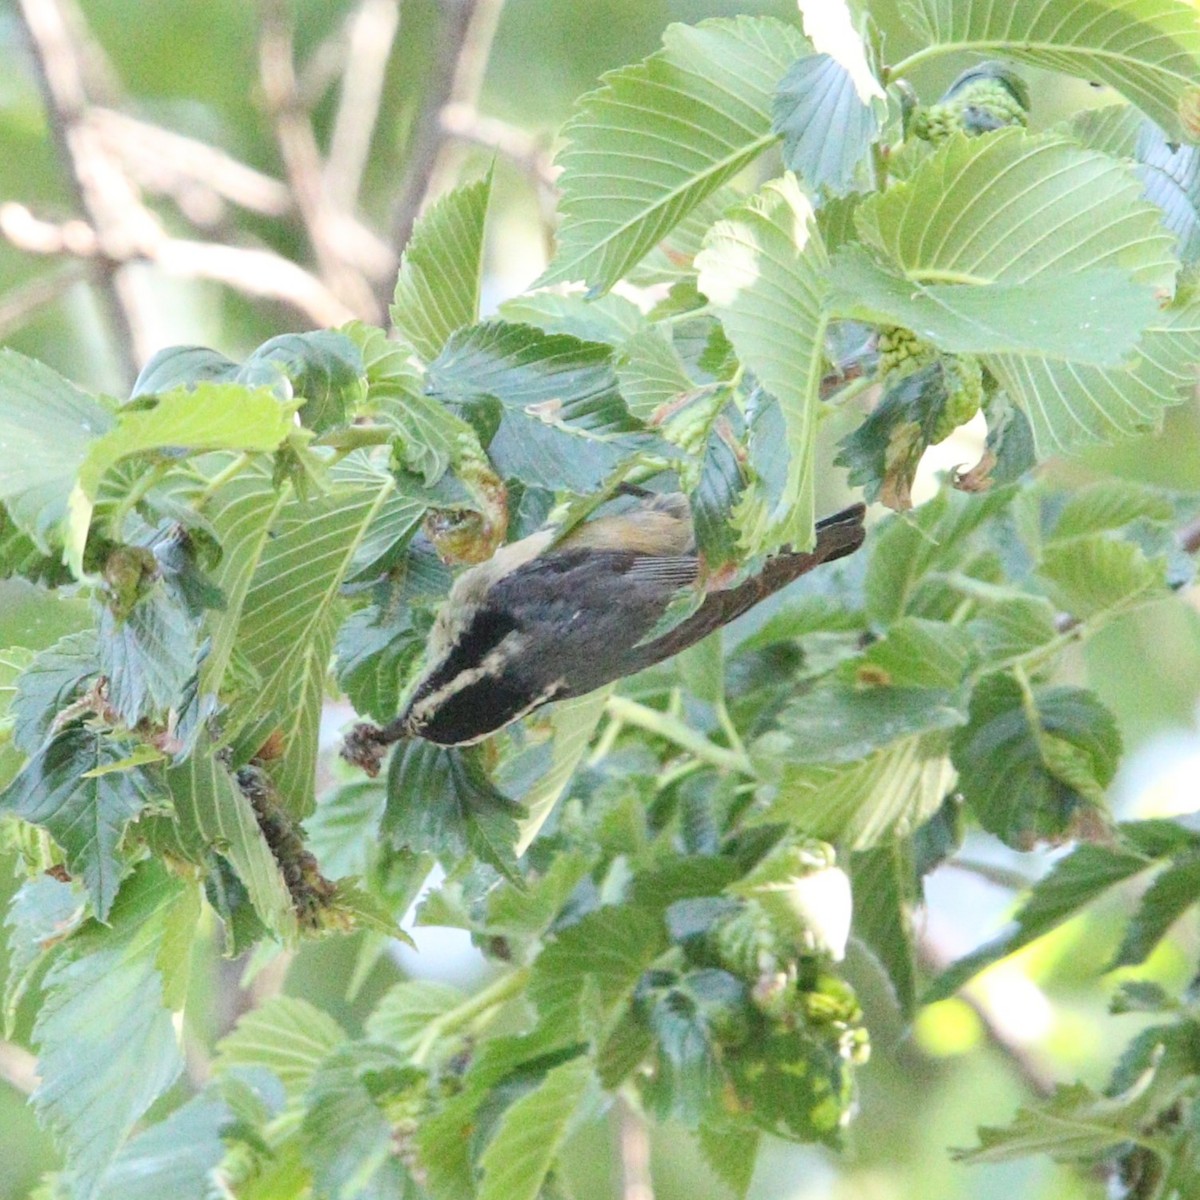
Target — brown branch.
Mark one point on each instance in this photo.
(371, 32)
(105, 196)
(18, 1068)
(427, 130)
(252, 272)
(302, 161)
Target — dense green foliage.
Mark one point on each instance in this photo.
(665, 875)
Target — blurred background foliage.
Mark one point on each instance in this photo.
(196, 69)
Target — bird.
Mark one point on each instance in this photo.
(549, 617)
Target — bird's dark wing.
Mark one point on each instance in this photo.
(561, 625)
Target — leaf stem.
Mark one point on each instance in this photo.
(221, 478)
(671, 728)
(136, 494)
(470, 1011)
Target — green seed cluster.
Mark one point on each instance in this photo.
(979, 108)
(901, 351)
(963, 377)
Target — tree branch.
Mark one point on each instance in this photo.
(106, 198)
(302, 162)
(453, 39)
(200, 178)
(252, 272)
(372, 30)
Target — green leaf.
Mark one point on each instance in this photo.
(934, 538)
(837, 722)
(827, 128)
(348, 1139)
(651, 374)
(440, 801)
(883, 453)
(686, 1080)
(1149, 50)
(572, 723)
(884, 885)
(1008, 209)
(212, 416)
(374, 652)
(1095, 577)
(1069, 406)
(149, 655)
(47, 428)
(323, 369)
(175, 367)
(664, 135)
(763, 270)
(915, 653)
(587, 973)
(1071, 884)
(42, 912)
(243, 512)
(407, 1014)
(1170, 175)
(531, 1132)
(288, 620)
(1009, 629)
(176, 1157)
(563, 423)
(731, 1152)
(532, 907)
(1109, 504)
(610, 319)
(49, 684)
(106, 1041)
(85, 816)
(1038, 316)
(430, 436)
(1074, 1123)
(286, 1035)
(437, 291)
(1174, 890)
(1170, 172)
(887, 794)
(213, 813)
(1030, 759)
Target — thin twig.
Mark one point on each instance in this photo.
(249, 271)
(200, 178)
(427, 130)
(18, 1068)
(22, 303)
(371, 32)
(463, 121)
(106, 198)
(466, 87)
(167, 162)
(302, 161)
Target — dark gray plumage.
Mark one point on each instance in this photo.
(540, 621)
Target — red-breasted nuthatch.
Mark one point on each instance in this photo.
(545, 619)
